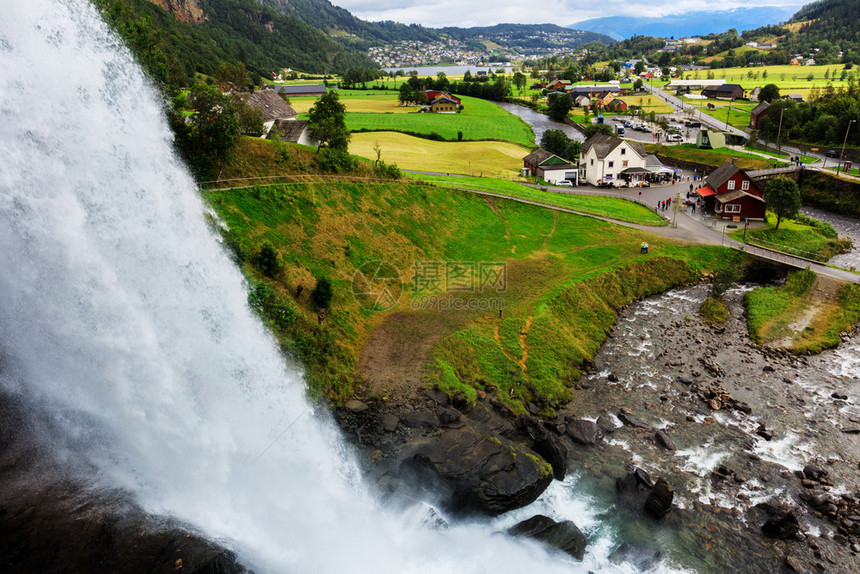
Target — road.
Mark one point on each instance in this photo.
(700, 115)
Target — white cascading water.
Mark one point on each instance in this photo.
(122, 318)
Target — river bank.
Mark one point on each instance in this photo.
(743, 432)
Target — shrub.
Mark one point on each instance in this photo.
(335, 160)
(322, 293)
(389, 171)
(267, 261)
(713, 311)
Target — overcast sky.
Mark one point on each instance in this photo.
(562, 12)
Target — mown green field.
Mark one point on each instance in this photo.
(711, 157)
(381, 111)
(610, 207)
(785, 77)
(806, 238)
(487, 158)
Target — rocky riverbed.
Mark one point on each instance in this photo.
(694, 443)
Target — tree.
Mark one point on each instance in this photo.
(250, 119)
(559, 106)
(520, 81)
(555, 141)
(267, 261)
(593, 129)
(214, 131)
(783, 197)
(769, 93)
(322, 293)
(637, 85)
(326, 120)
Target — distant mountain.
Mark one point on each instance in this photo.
(687, 23)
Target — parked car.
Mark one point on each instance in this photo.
(831, 153)
(619, 130)
(628, 123)
(692, 124)
(564, 183)
(674, 138)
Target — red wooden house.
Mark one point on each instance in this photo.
(731, 194)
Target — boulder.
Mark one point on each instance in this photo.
(782, 524)
(632, 421)
(583, 432)
(606, 424)
(634, 488)
(419, 419)
(664, 440)
(356, 406)
(659, 501)
(449, 417)
(389, 422)
(475, 473)
(640, 556)
(564, 535)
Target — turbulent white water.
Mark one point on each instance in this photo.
(123, 320)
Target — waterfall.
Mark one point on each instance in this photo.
(123, 321)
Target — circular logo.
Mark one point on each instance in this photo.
(377, 286)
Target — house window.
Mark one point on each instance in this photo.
(624, 163)
(745, 185)
(732, 208)
(592, 161)
(731, 185)
(611, 164)
(623, 151)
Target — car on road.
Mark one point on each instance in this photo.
(628, 123)
(692, 124)
(674, 138)
(619, 130)
(832, 153)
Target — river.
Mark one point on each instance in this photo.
(846, 227)
(541, 122)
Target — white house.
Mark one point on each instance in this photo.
(549, 167)
(608, 159)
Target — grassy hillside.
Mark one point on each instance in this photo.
(564, 276)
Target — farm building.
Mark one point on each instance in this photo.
(758, 113)
(299, 89)
(442, 102)
(549, 167)
(724, 92)
(731, 194)
(293, 131)
(607, 159)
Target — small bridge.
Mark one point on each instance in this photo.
(790, 171)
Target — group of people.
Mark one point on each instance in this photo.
(665, 204)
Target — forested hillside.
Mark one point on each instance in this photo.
(340, 24)
(234, 31)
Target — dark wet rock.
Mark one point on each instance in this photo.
(461, 403)
(633, 489)
(839, 396)
(389, 422)
(550, 447)
(419, 419)
(438, 397)
(606, 424)
(640, 556)
(664, 440)
(684, 381)
(564, 535)
(582, 431)
(792, 564)
(356, 406)
(781, 524)
(814, 473)
(612, 377)
(448, 416)
(632, 421)
(472, 472)
(659, 501)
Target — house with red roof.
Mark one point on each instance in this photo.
(732, 194)
(442, 102)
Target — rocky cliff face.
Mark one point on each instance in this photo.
(190, 11)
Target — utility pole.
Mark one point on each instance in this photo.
(729, 113)
(843, 146)
(779, 132)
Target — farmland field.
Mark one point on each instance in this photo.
(381, 111)
(487, 158)
(789, 79)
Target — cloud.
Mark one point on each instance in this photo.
(562, 12)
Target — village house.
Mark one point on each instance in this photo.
(558, 85)
(549, 167)
(730, 193)
(724, 92)
(442, 102)
(299, 89)
(607, 159)
(271, 105)
(582, 101)
(617, 105)
(758, 113)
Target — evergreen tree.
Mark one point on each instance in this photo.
(326, 120)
